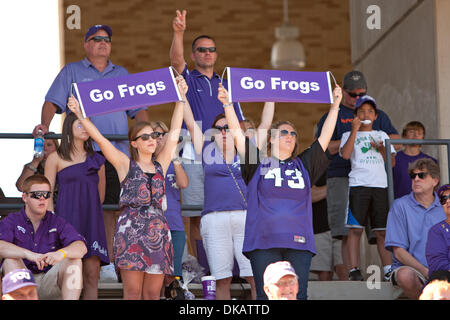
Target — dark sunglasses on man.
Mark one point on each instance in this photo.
(38, 194)
(100, 38)
(354, 95)
(421, 175)
(153, 135)
(204, 49)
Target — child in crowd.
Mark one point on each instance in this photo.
(411, 152)
(367, 181)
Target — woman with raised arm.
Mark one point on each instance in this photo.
(279, 213)
(79, 172)
(224, 211)
(143, 249)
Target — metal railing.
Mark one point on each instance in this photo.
(106, 207)
(389, 142)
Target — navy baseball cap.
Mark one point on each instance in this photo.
(365, 99)
(95, 28)
(17, 279)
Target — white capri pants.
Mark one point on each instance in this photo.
(223, 238)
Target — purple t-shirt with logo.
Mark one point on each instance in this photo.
(52, 234)
(221, 191)
(173, 212)
(83, 71)
(279, 213)
(402, 181)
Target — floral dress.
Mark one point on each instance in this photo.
(142, 241)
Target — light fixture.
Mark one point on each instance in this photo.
(287, 51)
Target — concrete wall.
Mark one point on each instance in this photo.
(399, 60)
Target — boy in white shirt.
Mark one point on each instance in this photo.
(368, 183)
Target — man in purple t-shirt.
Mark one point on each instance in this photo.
(47, 245)
(203, 85)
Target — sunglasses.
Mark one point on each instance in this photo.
(421, 175)
(100, 38)
(225, 127)
(38, 194)
(443, 199)
(284, 133)
(146, 136)
(204, 49)
(354, 95)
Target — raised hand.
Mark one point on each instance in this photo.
(74, 106)
(182, 85)
(179, 22)
(223, 94)
(337, 94)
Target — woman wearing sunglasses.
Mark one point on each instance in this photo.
(438, 245)
(79, 173)
(224, 211)
(143, 249)
(279, 215)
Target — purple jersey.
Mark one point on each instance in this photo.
(221, 191)
(173, 212)
(402, 181)
(437, 250)
(279, 213)
(52, 234)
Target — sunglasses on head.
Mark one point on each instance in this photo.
(39, 194)
(443, 199)
(225, 127)
(354, 95)
(421, 175)
(100, 38)
(146, 136)
(286, 132)
(204, 49)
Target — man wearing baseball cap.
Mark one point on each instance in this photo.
(19, 285)
(280, 281)
(95, 66)
(354, 85)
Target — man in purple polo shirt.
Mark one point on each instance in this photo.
(48, 246)
(203, 85)
(96, 65)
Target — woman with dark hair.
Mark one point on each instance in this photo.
(143, 249)
(79, 173)
(279, 213)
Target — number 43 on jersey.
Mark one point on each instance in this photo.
(295, 179)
